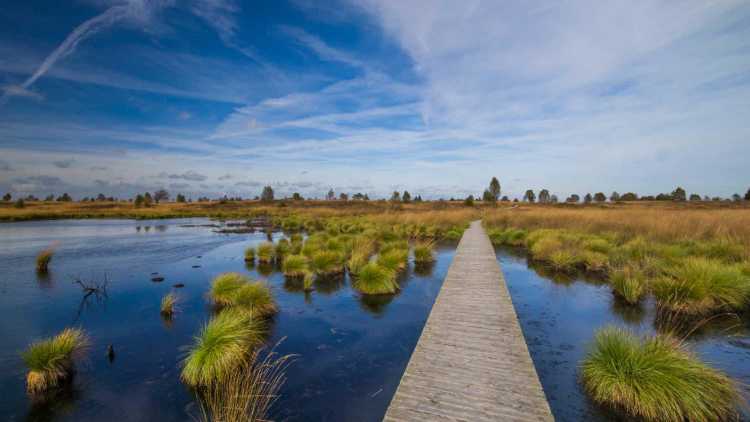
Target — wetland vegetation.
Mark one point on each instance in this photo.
(690, 261)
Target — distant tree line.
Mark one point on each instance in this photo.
(492, 194)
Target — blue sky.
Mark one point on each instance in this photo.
(213, 97)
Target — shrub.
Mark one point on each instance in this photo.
(250, 254)
(43, 260)
(50, 361)
(699, 286)
(295, 266)
(453, 235)
(225, 285)
(655, 379)
(221, 347)
(543, 248)
(265, 252)
(375, 279)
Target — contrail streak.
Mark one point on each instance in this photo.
(82, 32)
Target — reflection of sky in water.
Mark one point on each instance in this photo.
(352, 350)
(560, 315)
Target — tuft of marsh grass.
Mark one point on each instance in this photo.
(326, 263)
(655, 379)
(282, 249)
(374, 279)
(222, 346)
(357, 261)
(168, 303)
(50, 361)
(394, 260)
(224, 286)
(699, 286)
(265, 252)
(629, 284)
(423, 252)
(295, 266)
(250, 254)
(43, 260)
(247, 393)
(255, 298)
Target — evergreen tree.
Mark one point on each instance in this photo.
(396, 197)
(180, 198)
(469, 201)
(614, 197)
(7, 197)
(587, 199)
(529, 196)
(599, 197)
(331, 195)
(406, 197)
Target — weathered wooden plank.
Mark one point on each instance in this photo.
(471, 362)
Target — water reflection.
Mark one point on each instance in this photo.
(329, 284)
(58, 402)
(265, 269)
(375, 304)
(632, 314)
(424, 269)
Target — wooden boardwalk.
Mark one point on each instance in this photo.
(471, 362)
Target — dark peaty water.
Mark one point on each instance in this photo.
(351, 349)
(559, 316)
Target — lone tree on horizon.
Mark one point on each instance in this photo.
(747, 195)
(267, 194)
(529, 196)
(600, 197)
(494, 189)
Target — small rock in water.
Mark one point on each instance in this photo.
(110, 353)
(178, 285)
(157, 279)
(199, 257)
(196, 266)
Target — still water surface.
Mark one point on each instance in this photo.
(351, 349)
(559, 316)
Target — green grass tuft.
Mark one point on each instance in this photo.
(423, 252)
(699, 286)
(375, 279)
(394, 260)
(326, 263)
(295, 266)
(222, 346)
(225, 285)
(255, 298)
(50, 361)
(265, 252)
(250, 254)
(629, 284)
(655, 379)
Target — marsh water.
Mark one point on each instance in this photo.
(560, 314)
(351, 349)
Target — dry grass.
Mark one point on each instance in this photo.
(247, 393)
(666, 223)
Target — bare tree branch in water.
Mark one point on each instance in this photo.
(91, 288)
